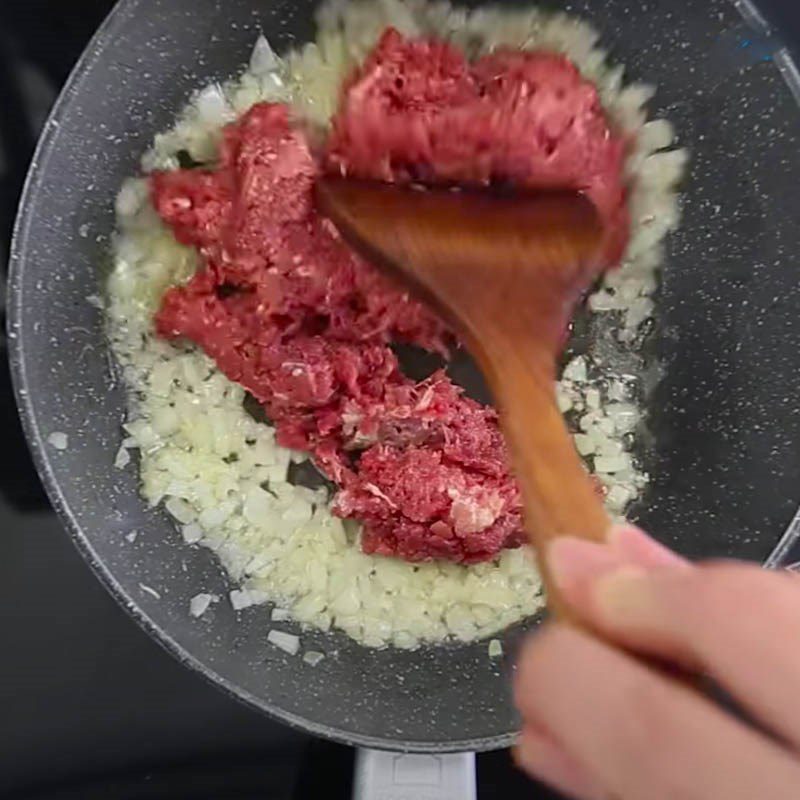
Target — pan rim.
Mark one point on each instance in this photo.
(18, 255)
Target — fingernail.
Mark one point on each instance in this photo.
(623, 596)
(574, 562)
(634, 545)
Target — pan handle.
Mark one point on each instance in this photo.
(384, 775)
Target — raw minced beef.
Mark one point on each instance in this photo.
(419, 111)
(287, 310)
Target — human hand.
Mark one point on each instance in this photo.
(598, 724)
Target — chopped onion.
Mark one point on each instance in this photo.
(563, 401)
(608, 447)
(58, 440)
(606, 426)
(263, 60)
(495, 648)
(131, 197)
(640, 310)
(589, 420)
(192, 533)
(625, 416)
(655, 135)
(213, 517)
(123, 458)
(312, 657)
(612, 464)
(258, 506)
(180, 509)
(212, 106)
(244, 598)
(585, 444)
(199, 604)
(287, 642)
(576, 370)
(618, 497)
(602, 301)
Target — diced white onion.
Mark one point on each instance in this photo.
(123, 458)
(244, 598)
(263, 59)
(192, 533)
(576, 370)
(180, 509)
(585, 444)
(612, 464)
(199, 604)
(618, 497)
(312, 657)
(287, 642)
(625, 416)
(59, 440)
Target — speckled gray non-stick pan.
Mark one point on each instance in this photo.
(726, 414)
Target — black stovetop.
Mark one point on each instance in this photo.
(91, 706)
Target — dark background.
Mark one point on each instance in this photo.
(90, 706)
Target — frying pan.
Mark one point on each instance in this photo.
(724, 414)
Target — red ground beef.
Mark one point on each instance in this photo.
(418, 111)
(287, 310)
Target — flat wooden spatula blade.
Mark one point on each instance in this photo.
(442, 238)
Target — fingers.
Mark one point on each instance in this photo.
(542, 758)
(638, 734)
(576, 565)
(655, 604)
(636, 547)
(705, 617)
(579, 568)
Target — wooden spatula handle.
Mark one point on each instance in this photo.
(558, 494)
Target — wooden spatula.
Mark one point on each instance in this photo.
(505, 271)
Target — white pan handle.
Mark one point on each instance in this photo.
(382, 775)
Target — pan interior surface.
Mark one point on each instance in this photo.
(725, 462)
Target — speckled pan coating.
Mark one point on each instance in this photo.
(726, 412)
